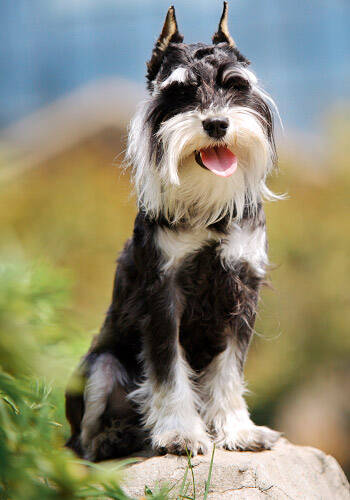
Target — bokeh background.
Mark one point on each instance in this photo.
(72, 72)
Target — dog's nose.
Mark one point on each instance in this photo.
(215, 127)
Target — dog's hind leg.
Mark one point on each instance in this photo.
(104, 374)
(75, 405)
(109, 426)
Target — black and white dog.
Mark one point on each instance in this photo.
(167, 365)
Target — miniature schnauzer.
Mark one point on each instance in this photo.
(167, 366)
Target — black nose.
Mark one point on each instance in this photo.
(215, 127)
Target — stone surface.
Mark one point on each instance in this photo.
(286, 472)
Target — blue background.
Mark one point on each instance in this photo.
(299, 49)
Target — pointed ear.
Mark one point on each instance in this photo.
(222, 34)
(169, 34)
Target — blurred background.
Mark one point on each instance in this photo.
(72, 72)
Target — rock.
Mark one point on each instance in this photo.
(286, 472)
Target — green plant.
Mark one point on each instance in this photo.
(33, 462)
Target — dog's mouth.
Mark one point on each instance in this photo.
(218, 159)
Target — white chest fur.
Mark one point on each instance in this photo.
(248, 244)
(176, 245)
(243, 243)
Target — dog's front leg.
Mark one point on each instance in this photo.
(166, 397)
(225, 410)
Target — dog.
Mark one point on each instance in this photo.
(167, 365)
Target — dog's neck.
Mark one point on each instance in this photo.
(201, 199)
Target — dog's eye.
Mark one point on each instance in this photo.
(236, 82)
(180, 88)
(233, 78)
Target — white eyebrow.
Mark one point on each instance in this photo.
(244, 72)
(178, 75)
(250, 76)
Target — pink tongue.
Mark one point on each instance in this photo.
(220, 160)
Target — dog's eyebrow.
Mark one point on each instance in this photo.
(179, 74)
(228, 70)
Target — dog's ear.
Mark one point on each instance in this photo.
(222, 34)
(169, 34)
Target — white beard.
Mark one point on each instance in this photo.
(178, 188)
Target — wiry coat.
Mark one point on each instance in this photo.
(167, 366)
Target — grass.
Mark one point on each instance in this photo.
(185, 485)
(207, 484)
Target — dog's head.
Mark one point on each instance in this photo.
(202, 144)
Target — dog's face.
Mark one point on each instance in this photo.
(205, 136)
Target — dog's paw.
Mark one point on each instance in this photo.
(249, 438)
(181, 443)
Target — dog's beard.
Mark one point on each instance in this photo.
(176, 187)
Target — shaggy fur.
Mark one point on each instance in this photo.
(167, 366)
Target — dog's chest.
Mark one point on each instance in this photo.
(218, 276)
(244, 243)
(176, 246)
